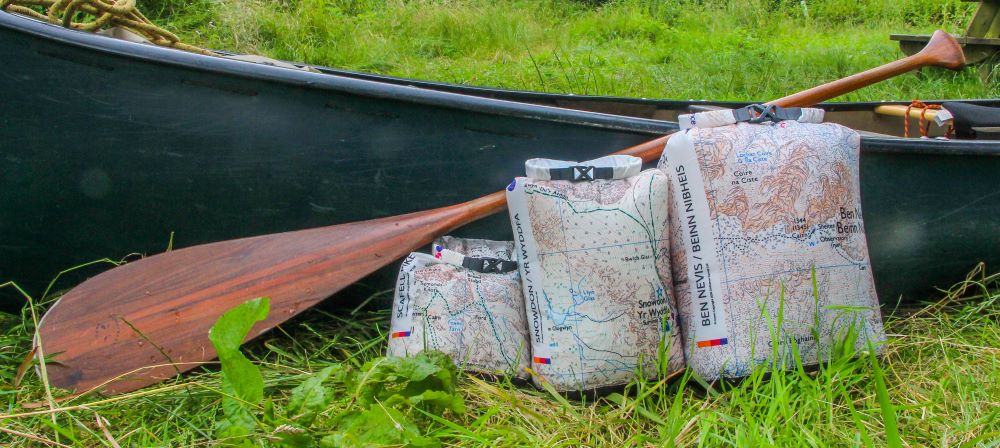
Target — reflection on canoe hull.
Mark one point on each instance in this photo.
(110, 146)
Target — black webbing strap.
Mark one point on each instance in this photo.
(582, 173)
(759, 113)
(489, 265)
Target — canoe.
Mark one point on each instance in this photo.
(109, 146)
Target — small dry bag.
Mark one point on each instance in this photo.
(463, 299)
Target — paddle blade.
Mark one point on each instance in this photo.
(148, 320)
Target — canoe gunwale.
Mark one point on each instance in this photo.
(832, 106)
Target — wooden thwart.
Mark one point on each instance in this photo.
(896, 110)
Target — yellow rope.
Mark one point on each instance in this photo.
(95, 15)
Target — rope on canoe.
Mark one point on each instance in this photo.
(923, 126)
(96, 15)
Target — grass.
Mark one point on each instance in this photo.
(684, 49)
(938, 383)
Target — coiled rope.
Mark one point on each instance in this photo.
(96, 15)
(924, 125)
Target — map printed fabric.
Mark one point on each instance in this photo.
(476, 318)
(594, 263)
(755, 210)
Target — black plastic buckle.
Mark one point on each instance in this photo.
(492, 265)
(583, 172)
(759, 113)
(487, 265)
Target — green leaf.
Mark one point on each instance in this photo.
(378, 426)
(227, 335)
(235, 429)
(406, 380)
(242, 383)
(294, 437)
(439, 400)
(269, 411)
(310, 398)
(232, 327)
(238, 423)
(245, 377)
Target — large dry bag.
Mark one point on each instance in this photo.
(768, 246)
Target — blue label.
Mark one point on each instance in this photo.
(753, 156)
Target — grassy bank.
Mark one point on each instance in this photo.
(754, 50)
(938, 383)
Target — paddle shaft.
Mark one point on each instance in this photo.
(148, 320)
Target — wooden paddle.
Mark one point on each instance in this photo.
(148, 320)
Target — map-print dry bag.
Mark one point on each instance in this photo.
(592, 247)
(463, 299)
(758, 210)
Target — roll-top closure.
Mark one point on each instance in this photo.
(754, 113)
(606, 168)
(483, 265)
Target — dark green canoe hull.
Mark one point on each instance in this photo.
(107, 147)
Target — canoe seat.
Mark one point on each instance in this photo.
(974, 121)
(981, 42)
(977, 49)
